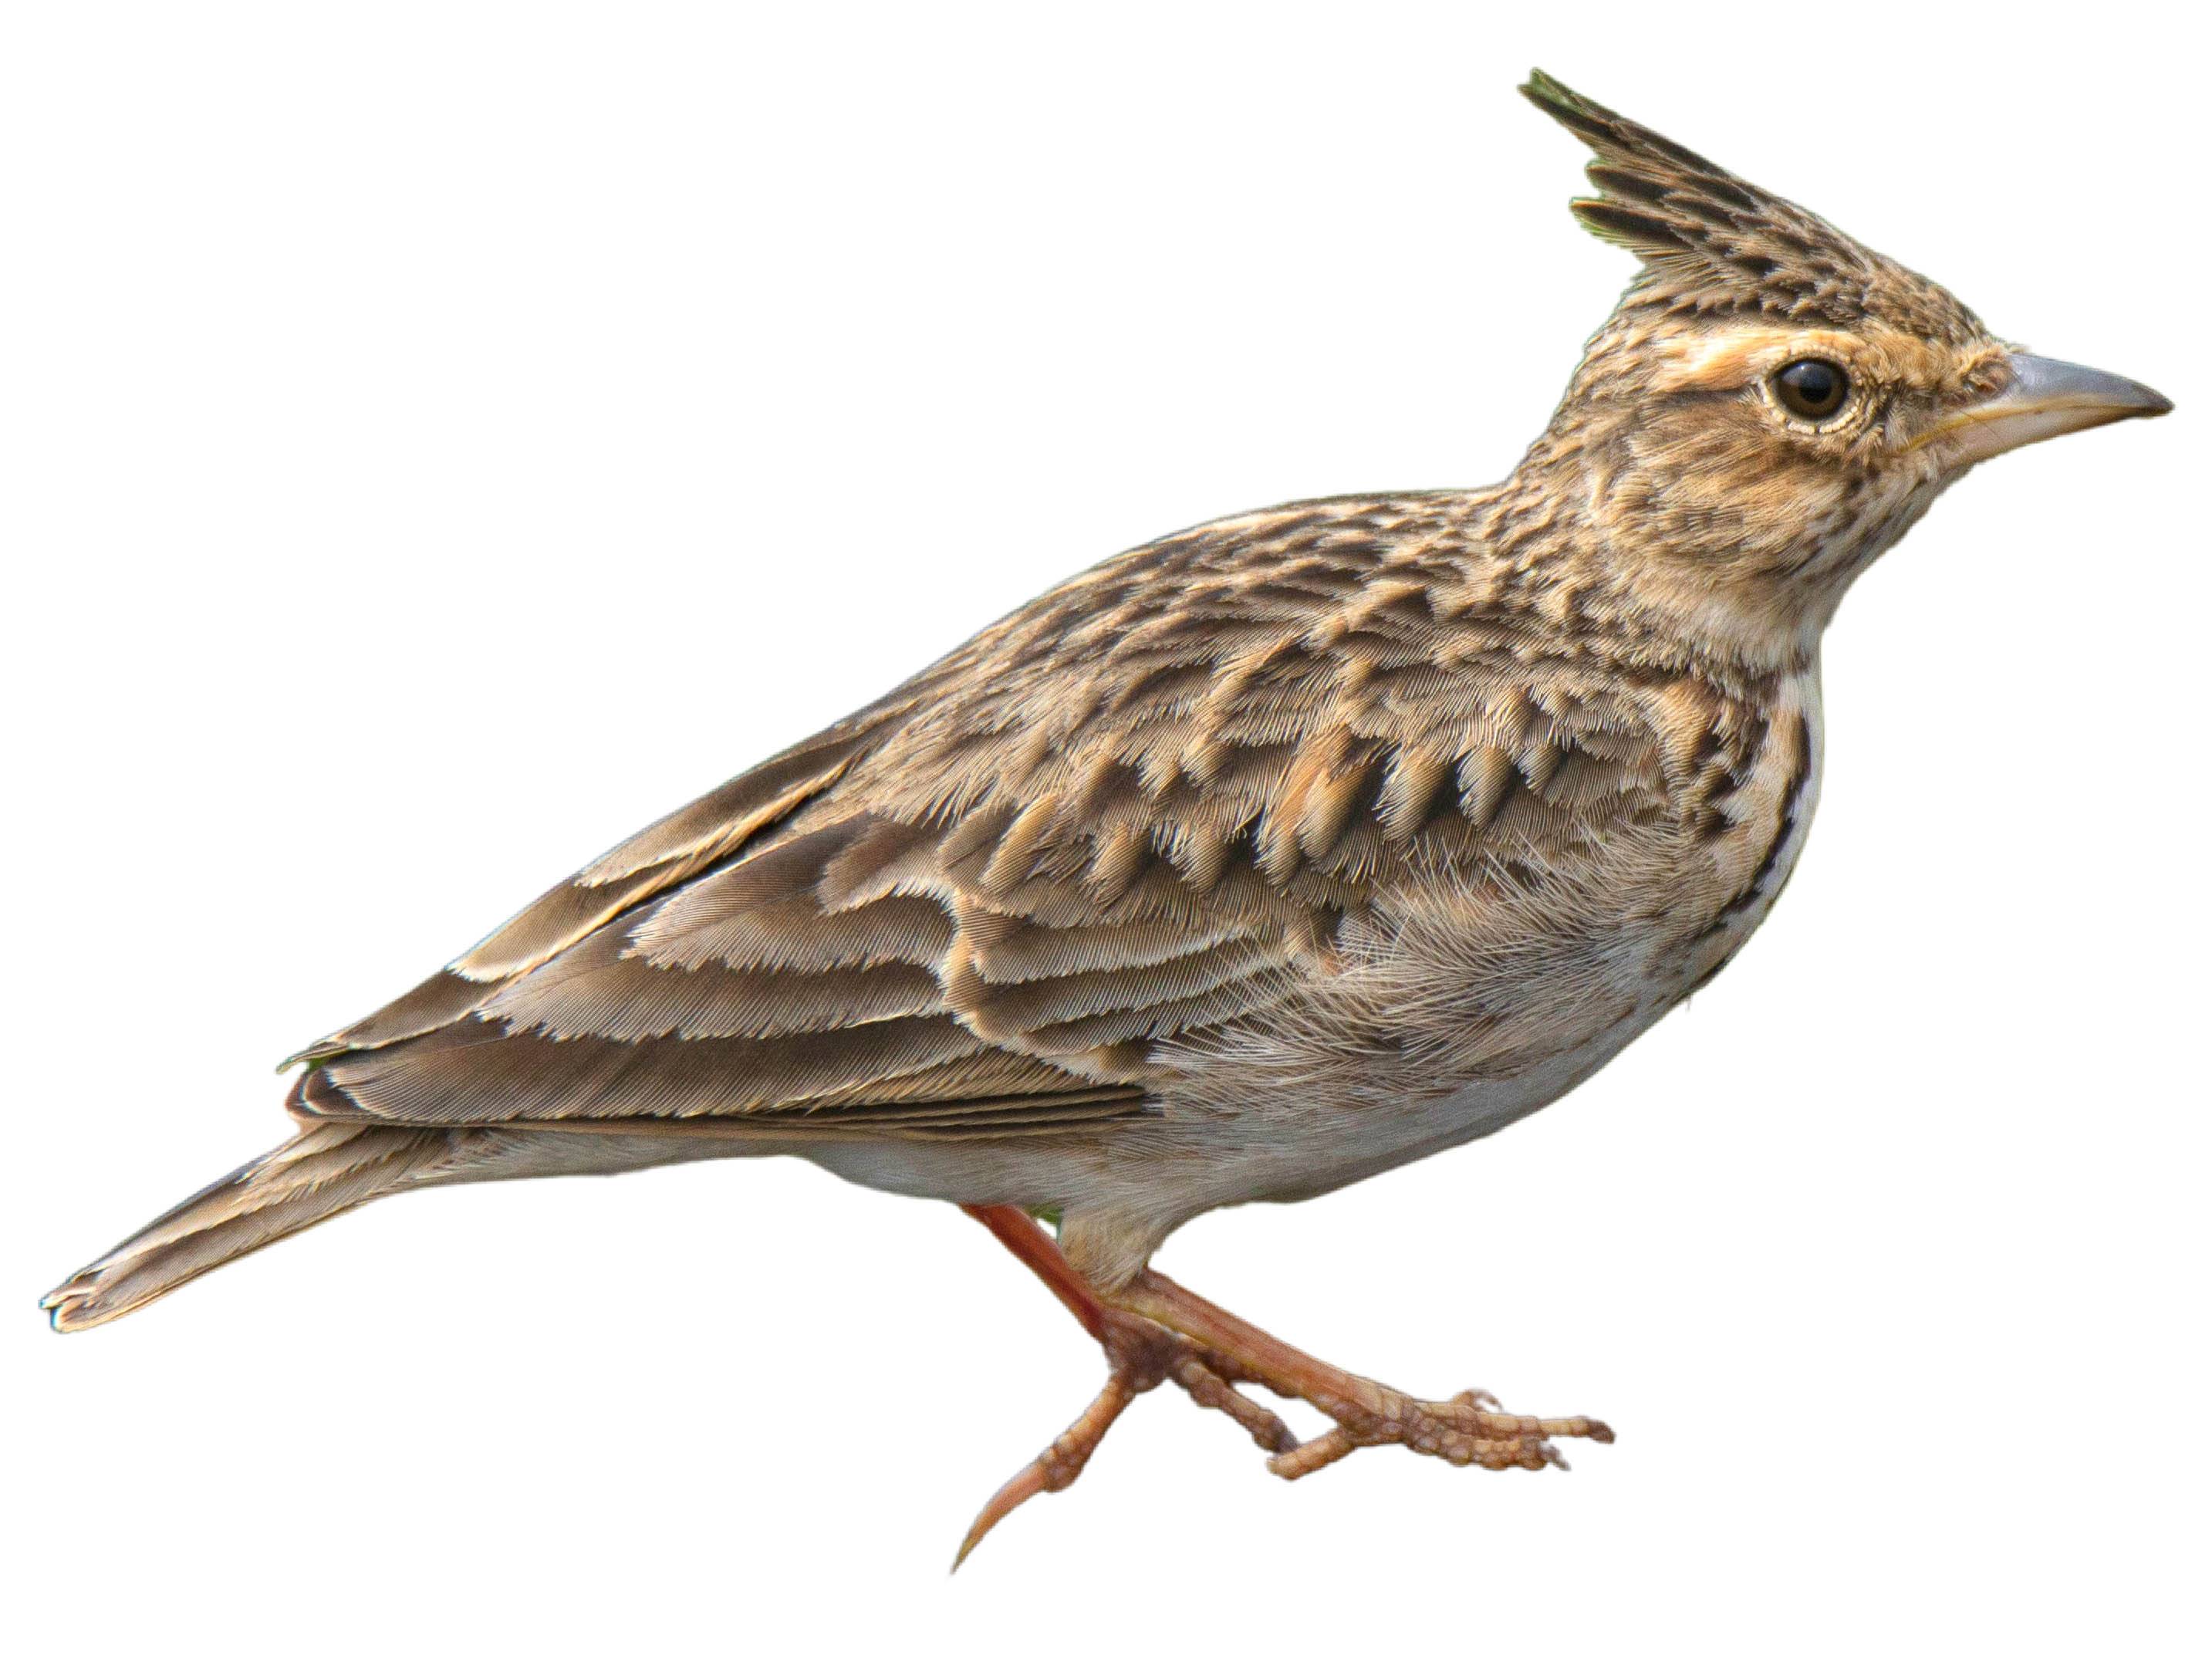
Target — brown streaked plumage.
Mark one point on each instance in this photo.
(1257, 860)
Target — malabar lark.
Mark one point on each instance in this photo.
(1257, 860)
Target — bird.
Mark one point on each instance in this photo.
(1262, 859)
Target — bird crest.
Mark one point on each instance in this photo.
(1711, 242)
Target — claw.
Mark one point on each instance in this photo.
(1003, 1502)
(1055, 1468)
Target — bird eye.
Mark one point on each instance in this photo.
(1812, 387)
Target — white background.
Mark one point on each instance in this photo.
(439, 438)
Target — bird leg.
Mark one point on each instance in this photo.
(1155, 1331)
(1140, 1355)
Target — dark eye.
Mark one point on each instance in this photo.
(1812, 387)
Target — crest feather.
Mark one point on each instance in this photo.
(1711, 242)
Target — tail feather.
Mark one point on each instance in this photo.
(323, 1172)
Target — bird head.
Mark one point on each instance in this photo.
(1772, 404)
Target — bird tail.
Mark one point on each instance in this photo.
(324, 1170)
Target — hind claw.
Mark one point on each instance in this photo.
(1141, 1355)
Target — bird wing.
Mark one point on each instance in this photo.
(1136, 811)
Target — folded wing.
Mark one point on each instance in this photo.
(1137, 811)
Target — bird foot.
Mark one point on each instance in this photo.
(1470, 1429)
(1155, 1331)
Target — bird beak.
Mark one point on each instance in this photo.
(2044, 398)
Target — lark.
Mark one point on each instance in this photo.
(1257, 860)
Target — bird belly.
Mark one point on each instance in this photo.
(1282, 1151)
